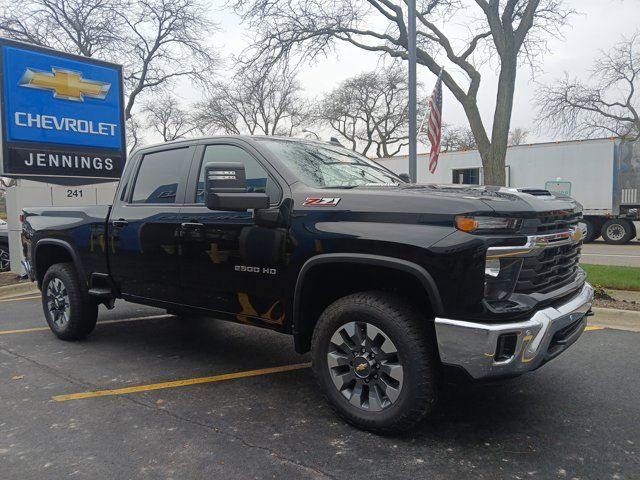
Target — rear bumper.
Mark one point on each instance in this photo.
(488, 351)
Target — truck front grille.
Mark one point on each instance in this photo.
(552, 268)
(558, 221)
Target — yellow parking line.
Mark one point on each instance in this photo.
(19, 299)
(24, 330)
(106, 322)
(590, 328)
(180, 383)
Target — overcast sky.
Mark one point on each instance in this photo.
(598, 25)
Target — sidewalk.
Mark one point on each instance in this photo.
(615, 318)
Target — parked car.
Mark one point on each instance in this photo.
(393, 287)
(4, 247)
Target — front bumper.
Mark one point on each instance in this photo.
(488, 351)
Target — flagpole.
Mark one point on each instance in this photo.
(413, 94)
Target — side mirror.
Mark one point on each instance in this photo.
(225, 188)
(405, 177)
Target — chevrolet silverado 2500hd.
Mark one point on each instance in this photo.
(393, 287)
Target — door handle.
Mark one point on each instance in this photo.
(120, 223)
(191, 225)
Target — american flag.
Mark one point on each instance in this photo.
(434, 127)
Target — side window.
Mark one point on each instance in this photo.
(258, 179)
(158, 176)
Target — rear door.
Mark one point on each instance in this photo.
(229, 264)
(145, 222)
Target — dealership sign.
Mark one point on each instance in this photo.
(62, 115)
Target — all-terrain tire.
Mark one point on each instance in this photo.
(413, 337)
(70, 312)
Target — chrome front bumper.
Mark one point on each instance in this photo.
(473, 346)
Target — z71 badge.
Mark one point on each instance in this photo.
(321, 202)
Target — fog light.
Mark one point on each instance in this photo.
(492, 267)
(500, 277)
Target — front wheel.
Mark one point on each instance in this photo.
(617, 231)
(70, 312)
(374, 357)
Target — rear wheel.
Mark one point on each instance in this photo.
(4, 258)
(70, 312)
(617, 231)
(594, 228)
(374, 356)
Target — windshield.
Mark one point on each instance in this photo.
(328, 166)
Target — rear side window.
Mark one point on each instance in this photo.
(159, 176)
(258, 180)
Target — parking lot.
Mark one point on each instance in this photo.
(177, 398)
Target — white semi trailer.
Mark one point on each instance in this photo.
(602, 174)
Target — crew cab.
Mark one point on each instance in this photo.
(394, 287)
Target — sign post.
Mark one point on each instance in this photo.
(62, 115)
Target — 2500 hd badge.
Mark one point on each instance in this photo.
(249, 269)
(394, 288)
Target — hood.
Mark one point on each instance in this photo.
(513, 200)
(447, 199)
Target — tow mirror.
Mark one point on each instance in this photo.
(225, 188)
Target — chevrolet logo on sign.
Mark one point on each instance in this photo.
(65, 84)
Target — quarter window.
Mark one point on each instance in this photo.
(258, 180)
(159, 176)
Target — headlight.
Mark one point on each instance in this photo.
(500, 277)
(487, 224)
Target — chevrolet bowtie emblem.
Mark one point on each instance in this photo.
(577, 234)
(65, 84)
(360, 367)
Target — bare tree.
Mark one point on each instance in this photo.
(134, 134)
(83, 27)
(455, 139)
(167, 118)
(608, 104)
(257, 100)
(157, 41)
(518, 136)
(370, 111)
(166, 41)
(511, 30)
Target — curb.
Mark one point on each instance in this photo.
(18, 289)
(615, 318)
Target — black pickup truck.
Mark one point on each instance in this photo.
(393, 287)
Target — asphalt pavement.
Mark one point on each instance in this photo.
(600, 253)
(577, 417)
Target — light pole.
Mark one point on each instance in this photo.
(413, 94)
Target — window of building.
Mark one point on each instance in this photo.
(467, 176)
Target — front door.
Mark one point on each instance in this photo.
(229, 264)
(144, 226)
